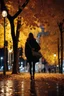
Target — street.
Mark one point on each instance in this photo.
(44, 84)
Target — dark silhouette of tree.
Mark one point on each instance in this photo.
(15, 35)
(60, 25)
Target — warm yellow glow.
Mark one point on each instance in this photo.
(10, 50)
(54, 55)
(31, 22)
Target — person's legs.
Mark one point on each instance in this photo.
(30, 66)
(33, 69)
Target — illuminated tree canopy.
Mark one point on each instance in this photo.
(38, 13)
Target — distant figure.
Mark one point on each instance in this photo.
(44, 69)
(49, 69)
(30, 45)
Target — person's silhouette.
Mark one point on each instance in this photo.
(30, 45)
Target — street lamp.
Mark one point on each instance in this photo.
(4, 14)
(55, 61)
(10, 57)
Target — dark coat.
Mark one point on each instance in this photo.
(29, 45)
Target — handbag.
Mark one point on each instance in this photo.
(37, 55)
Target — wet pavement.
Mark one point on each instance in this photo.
(42, 85)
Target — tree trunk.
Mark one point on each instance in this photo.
(15, 63)
(15, 48)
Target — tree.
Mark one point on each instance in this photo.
(60, 25)
(15, 35)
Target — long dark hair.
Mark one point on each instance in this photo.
(31, 36)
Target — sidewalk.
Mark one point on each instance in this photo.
(44, 84)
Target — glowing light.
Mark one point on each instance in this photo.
(1, 58)
(4, 13)
(10, 51)
(54, 55)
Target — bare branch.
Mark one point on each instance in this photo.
(21, 8)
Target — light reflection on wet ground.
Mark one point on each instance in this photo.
(38, 87)
(12, 88)
(49, 87)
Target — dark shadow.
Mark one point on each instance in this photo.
(32, 88)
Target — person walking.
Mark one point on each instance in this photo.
(31, 44)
